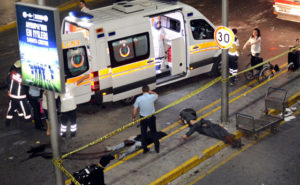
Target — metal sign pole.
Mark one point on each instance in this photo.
(53, 121)
(224, 98)
(54, 134)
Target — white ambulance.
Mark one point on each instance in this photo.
(122, 47)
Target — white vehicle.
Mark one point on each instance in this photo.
(287, 10)
(116, 46)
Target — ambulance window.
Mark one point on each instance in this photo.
(72, 27)
(171, 24)
(75, 61)
(201, 30)
(129, 49)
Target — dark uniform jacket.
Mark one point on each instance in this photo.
(16, 88)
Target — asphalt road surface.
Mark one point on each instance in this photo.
(18, 168)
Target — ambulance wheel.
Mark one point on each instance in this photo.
(98, 98)
(216, 69)
(128, 101)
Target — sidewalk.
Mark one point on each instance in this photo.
(145, 168)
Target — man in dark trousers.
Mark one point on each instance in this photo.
(18, 102)
(145, 104)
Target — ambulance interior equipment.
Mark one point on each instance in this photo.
(115, 45)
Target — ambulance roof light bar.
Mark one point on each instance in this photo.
(81, 15)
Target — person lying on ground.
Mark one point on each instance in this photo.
(206, 127)
(134, 143)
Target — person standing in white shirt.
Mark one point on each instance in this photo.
(158, 42)
(68, 107)
(82, 6)
(255, 42)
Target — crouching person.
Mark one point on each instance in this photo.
(93, 174)
(206, 127)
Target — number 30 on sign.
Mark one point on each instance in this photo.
(224, 37)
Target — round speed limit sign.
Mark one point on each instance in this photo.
(224, 37)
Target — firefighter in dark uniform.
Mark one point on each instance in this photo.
(18, 102)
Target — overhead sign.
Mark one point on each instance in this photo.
(40, 46)
(224, 37)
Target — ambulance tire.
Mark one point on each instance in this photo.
(216, 69)
(128, 101)
(98, 98)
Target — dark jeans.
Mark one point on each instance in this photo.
(233, 66)
(35, 104)
(151, 123)
(65, 116)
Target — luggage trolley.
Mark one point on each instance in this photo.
(274, 99)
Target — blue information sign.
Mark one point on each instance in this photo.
(40, 46)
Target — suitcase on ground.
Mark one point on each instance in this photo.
(90, 175)
(294, 57)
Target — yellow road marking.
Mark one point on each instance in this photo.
(8, 26)
(235, 154)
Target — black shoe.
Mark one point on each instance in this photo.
(73, 134)
(157, 148)
(146, 150)
(63, 134)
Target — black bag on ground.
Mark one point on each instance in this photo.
(90, 175)
(188, 115)
(256, 60)
(294, 57)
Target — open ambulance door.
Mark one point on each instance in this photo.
(178, 56)
(169, 40)
(76, 64)
(132, 64)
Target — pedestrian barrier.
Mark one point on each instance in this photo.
(58, 162)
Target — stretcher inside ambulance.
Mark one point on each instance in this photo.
(134, 43)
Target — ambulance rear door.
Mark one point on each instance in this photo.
(131, 62)
(76, 64)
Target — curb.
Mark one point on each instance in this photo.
(206, 154)
(8, 26)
